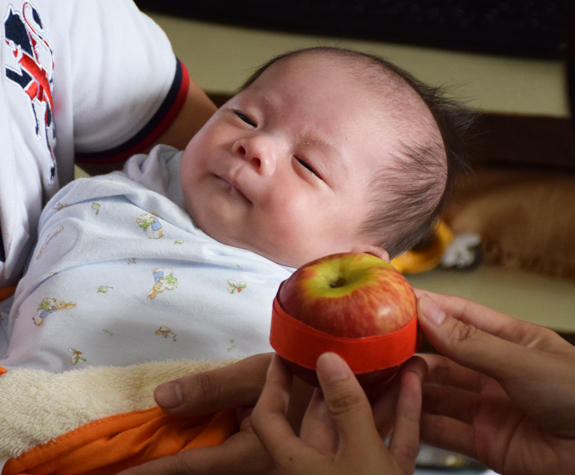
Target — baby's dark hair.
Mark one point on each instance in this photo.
(408, 197)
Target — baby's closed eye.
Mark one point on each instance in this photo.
(307, 166)
(245, 118)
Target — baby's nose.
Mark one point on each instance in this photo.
(261, 152)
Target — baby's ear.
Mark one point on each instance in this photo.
(371, 249)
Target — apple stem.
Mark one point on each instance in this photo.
(338, 283)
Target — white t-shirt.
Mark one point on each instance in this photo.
(78, 77)
(121, 275)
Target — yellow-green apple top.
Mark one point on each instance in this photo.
(349, 295)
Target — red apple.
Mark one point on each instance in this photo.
(348, 296)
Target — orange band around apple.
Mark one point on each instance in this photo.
(302, 344)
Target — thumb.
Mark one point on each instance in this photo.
(347, 404)
(232, 386)
(469, 346)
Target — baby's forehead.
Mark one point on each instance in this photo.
(387, 87)
(366, 72)
(349, 75)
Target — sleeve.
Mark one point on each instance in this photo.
(128, 86)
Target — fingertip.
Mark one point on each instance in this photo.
(429, 310)
(332, 368)
(417, 366)
(345, 399)
(410, 383)
(418, 292)
(278, 372)
(273, 367)
(168, 396)
(226, 387)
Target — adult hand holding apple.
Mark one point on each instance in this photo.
(355, 305)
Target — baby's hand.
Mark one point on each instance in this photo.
(344, 438)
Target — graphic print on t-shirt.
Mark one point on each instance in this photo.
(32, 70)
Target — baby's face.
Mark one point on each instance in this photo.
(283, 168)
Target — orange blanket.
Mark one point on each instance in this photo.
(44, 430)
(116, 443)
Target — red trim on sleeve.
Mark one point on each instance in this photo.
(153, 130)
(6, 292)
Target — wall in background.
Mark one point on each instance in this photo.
(221, 57)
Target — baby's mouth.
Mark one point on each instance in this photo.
(235, 187)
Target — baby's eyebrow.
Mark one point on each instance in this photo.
(308, 137)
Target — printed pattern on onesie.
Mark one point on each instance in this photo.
(121, 275)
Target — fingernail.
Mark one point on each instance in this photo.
(332, 368)
(168, 395)
(430, 310)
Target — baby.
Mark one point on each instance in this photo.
(180, 255)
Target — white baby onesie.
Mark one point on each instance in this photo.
(121, 275)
